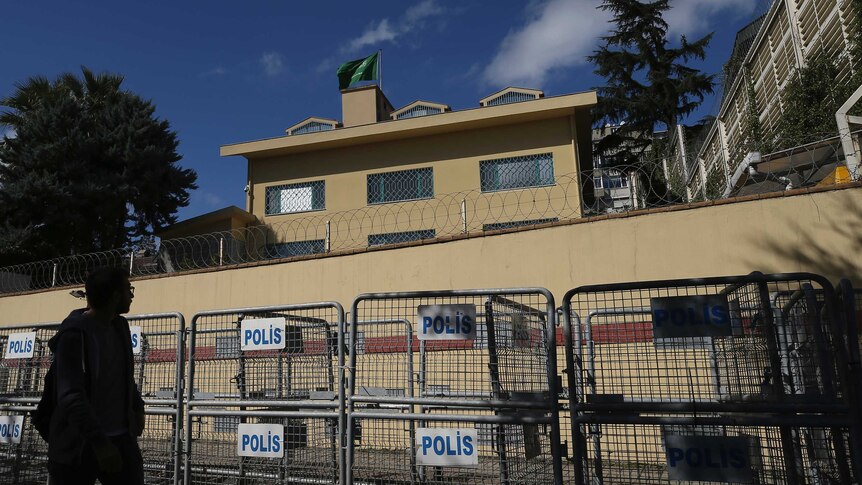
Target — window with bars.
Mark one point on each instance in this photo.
(507, 225)
(611, 182)
(401, 185)
(512, 97)
(292, 198)
(312, 127)
(400, 237)
(516, 172)
(296, 248)
(418, 111)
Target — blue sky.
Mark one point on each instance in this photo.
(224, 72)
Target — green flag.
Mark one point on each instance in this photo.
(358, 70)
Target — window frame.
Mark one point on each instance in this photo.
(312, 184)
(519, 159)
(431, 233)
(382, 176)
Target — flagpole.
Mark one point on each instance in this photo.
(380, 69)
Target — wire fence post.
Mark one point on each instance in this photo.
(221, 251)
(464, 215)
(54, 276)
(328, 241)
(131, 261)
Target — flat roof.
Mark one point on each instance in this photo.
(474, 118)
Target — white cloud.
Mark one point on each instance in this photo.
(8, 132)
(419, 12)
(384, 30)
(272, 63)
(209, 199)
(692, 17)
(373, 35)
(560, 34)
(216, 71)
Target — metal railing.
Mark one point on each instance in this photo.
(766, 380)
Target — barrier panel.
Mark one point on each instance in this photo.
(453, 386)
(264, 401)
(26, 359)
(745, 351)
(158, 346)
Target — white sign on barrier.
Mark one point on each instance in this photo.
(10, 429)
(447, 322)
(137, 343)
(262, 334)
(447, 447)
(20, 345)
(710, 458)
(260, 440)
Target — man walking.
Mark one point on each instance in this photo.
(99, 411)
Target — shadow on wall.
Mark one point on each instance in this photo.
(830, 245)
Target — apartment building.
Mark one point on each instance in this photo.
(766, 55)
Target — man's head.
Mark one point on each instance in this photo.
(108, 289)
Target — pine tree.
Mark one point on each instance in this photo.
(90, 168)
(648, 85)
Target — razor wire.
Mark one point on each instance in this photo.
(679, 177)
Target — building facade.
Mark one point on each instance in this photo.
(384, 175)
(789, 36)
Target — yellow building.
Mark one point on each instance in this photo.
(386, 175)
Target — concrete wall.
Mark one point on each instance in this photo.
(819, 231)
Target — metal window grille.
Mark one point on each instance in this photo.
(418, 111)
(508, 225)
(312, 127)
(400, 237)
(401, 185)
(296, 248)
(512, 97)
(517, 172)
(291, 198)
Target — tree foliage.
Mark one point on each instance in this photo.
(648, 84)
(90, 168)
(811, 98)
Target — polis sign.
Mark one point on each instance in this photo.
(690, 316)
(262, 334)
(446, 322)
(447, 447)
(136, 339)
(10, 429)
(260, 440)
(710, 458)
(20, 345)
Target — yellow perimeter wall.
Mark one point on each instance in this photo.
(816, 231)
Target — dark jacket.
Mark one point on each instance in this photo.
(74, 422)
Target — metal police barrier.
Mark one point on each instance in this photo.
(26, 359)
(158, 346)
(453, 387)
(742, 379)
(264, 400)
